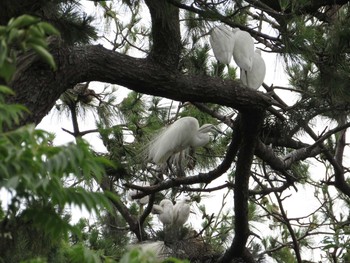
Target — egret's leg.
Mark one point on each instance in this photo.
(217, 68)
(179, 168)
(246, 76)
(169, 161)
(241, 71)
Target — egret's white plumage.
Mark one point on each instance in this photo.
(164, 211)
(183, 133)
(254, 78)
(222, 42)
(243, 51)
(132, 192)
(142, 201)
(158, 248)
(181, 212)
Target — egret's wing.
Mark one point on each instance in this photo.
(243, 51)
(155, 147)
(258, 71)
(173, 139)
(130, 194)
(157, 209)
(222, 42)
(167, 216)
(144, 200)
(181, 213)
(254, 78)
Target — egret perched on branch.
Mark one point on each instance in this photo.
(254, 78)
(222, 42)
(142, 201)
(164, 211)
(180, 135)
(181, 212)
(131, 193)
(243, 51)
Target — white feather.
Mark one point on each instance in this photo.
(164, 211)
(222, 42)
(243, 51)
(181, 213)
(254, 78)
(183, 133)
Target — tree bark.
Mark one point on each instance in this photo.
(251, 122)
(38, 87)
(166, 36)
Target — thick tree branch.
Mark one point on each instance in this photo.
(251, 123)
(166, 48)
(96, 63)
(134, 224)
(340, 181)
(309, 7)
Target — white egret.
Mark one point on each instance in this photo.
(222, 42)
(180, 135)
(181, 212)
(164, 211)
(142, 201)
(158, 248)
(243, 51)
(254, 78)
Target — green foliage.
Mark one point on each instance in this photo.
(301, 171)
(284, 255)
(138, 256)
(32, 167)
(198, 60)
(107, 236)
(75, 27)
(80, 253)
(65, 15)
(24, 32)
(33, 171)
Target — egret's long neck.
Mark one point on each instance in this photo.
(200, 140)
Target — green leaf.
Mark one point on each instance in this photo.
(36, 32)
(3, 52)
(7, 70)
(44, 54)
(48, 28)
(13, 35)
(3, 30)
(40, 41)
(6, 90)
(23, 21)
(12, 182)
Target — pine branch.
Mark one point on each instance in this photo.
(251, 123)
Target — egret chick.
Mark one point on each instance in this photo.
(222, 42)
(180, 135)
(254, 78)
(164, 211)
(158, 248)
(142, 201)
(243, 51)
(181, 213)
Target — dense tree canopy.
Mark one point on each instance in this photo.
(263, 152)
